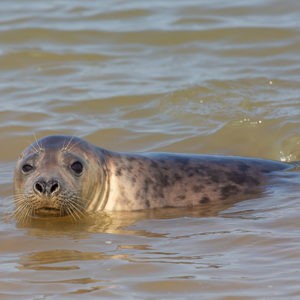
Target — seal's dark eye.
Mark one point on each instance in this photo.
(27, 168)
(77, 167)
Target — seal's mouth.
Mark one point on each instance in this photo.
(48, 212)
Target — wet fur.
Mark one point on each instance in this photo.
(131, 181)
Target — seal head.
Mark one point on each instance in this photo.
(58, 176)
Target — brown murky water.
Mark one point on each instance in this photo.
(184, 76)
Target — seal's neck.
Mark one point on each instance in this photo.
(100, 196)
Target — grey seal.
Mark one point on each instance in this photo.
(66, 175)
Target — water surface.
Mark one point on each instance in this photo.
(185, 76)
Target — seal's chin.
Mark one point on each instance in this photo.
(48, 212)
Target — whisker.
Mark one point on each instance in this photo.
(63, 146)
(73, 145)
(75, 207)
(40, 147)
(23, 207)
(68, 204)
(75, 210)
(68, 144)
(36, 149)
(70, 213)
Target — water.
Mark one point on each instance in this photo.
(184, 76)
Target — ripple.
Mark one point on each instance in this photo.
(220, 77)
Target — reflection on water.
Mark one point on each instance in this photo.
(114, 222)
(42, 260)
(216, 77)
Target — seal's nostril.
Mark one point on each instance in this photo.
(48, 187)
(54, 187)
(40, 187)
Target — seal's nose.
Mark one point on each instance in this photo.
(46, 187)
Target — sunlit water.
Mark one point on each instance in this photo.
(184, 76)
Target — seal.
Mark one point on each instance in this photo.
(65, 175)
